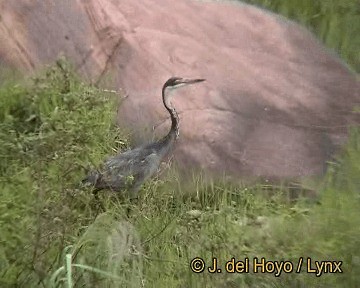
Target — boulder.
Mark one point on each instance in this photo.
(276, 103)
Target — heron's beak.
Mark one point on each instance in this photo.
(192, 81)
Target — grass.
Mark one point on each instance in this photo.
(54, 235)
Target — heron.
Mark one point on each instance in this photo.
(130, 169)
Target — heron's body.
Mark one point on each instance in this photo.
(130, 169)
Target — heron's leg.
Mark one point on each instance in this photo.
(98, 201)
(133, 198)
(96, 193)
(132, 202)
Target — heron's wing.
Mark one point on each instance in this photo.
(125, 162)
(129, 168)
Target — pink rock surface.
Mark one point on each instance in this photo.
(276, 103)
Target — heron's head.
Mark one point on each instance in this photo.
(176, 82)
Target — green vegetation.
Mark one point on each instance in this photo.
(335, 22)
(53, 233)
(46, 134)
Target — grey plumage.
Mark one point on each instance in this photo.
(130, 169)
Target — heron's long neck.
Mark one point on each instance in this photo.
(174, 130)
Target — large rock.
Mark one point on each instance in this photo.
(276, 103)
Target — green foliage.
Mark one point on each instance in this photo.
(53, 236)
(46, 136)
(226, 221)
(335, 22)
